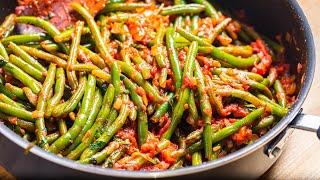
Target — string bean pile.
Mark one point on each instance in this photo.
(142, 86)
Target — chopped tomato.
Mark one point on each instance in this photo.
(265, 58)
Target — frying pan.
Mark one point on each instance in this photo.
(270, 17)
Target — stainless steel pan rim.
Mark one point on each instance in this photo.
(310, 54)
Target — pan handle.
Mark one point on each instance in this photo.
(301, 121)
(306, 122)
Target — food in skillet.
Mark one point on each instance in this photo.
(139, 86)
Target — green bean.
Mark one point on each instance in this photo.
(210, 10)
(6, 99)
(102, 75)
(113, 7)
(276, 108)
(114, 157)
(143, 65)
(71, 75)
(265, 82)
(215, 99)
(50, 46)
(137, 77)
(229, 130)
(115, 74)
(66, 35)
(206, 111)
(158, 47)
(219, 29)
(176, 2)
(20, 75)
(33, 72)
(280, 93)
(85, 67)
(95, 58)
(279, 49)
(109, 133)
(188, 150)
(16, 91)
(111, 118)
(29, 126)
(25, 38)
(94, 110)
(3, 52)
(273, 75)
(45, 56)
(140, 160)
(26, 57)
(162, 109)
(95, 33)
(222, 56)
(101, 119)
(18, 112)
(124, 31)
(7, 24)
(265, 122)
(173, 57)
(242, 95)
(133, 114)
(178, 164)
(60, 82)
(178, 22)
(187, 24)
(183, 9)
(45, 25)
(193, 117)
(7, 92)
(62, 126)
(194, 136)
(70, 105)
(41, 130)
(260, 87)
(142, 115)
(81, 118)
(163, 77)
(52, 137)
(184, 93)
(244, 36)
(195, 22)
(27, 137)
(102, 155)
(243, 51)
(32, 97)
(196, 158)
(232, 72)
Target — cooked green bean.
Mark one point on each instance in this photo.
(183, 9)
(25, 38)
(47, 26)
(27, 80)
(184, 93)
(41, 130)
(81, 118)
